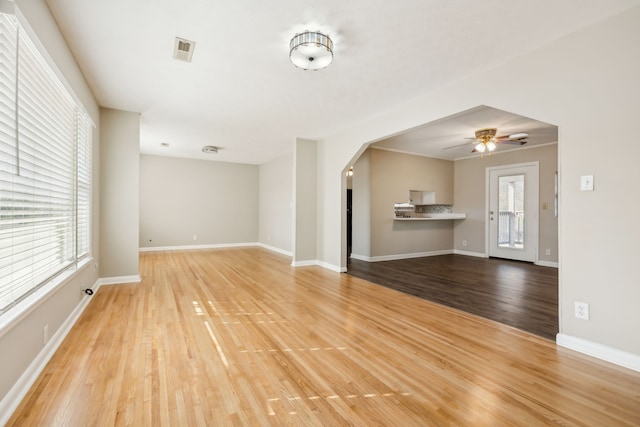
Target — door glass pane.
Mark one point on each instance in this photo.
(511, 211)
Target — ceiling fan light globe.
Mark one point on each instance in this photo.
(480, 147)
(491, 145)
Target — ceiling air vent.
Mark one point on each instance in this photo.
(210, 149)
(183, 49)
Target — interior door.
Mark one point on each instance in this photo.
(513, 212)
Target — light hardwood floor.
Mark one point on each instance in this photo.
(238, 337)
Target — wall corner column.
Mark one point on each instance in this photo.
(119, 194)
(305, 202)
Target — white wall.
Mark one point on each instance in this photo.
(595, 103)
(22, 339)
(276, 203)
(217, 202)
(119, 195)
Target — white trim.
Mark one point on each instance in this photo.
(196, 247)
(304, 263)
(318, 263)
(467, 253)
(360, 257)
(274, 249)
(401, 256)
(536, 197)
(547, 264)
(119, 280)
(12, 399)
(603, 352)
(332, 267)
(15, 314)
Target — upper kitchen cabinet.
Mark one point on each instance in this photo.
(417, 197)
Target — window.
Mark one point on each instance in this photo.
(45, 170)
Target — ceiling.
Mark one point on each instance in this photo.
(242, 93)
(447, 137)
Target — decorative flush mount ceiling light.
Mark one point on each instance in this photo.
(311, 50)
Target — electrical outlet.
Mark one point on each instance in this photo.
(195, 237)
(547, 252)
(464, 243)
(45, 334)
(582, 310)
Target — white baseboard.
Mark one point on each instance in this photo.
(609, 354)
(361, 257)
(119, 280)
(332, 267)
(20, 389)
(467, 253)
(274, 249)
(216, 246)
(401, 256)
(307, 263)
(196, 247)
(547, 264)
(322, 264)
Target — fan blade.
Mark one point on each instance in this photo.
(512, 141)
(458, 146)
(513, 136)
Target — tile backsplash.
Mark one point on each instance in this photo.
(434, 209)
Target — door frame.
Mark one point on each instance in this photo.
(536, 202)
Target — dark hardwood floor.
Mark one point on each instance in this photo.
(515, 293)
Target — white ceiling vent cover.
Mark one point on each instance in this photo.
(183, 49)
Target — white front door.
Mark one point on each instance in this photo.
(513, 212)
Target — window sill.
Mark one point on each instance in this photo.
(21, 310)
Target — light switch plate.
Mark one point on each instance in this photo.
(586, 183)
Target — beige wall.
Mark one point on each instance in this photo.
(361, 207)
(392, 176)
(21, 340)
(470, 198)
(383, 177)
(119, 193)
(276, 203)
(305, 201)
(181, 198)
(594, 104)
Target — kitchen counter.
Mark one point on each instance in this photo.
(432, 217)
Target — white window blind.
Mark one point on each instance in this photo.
(45, 170)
